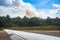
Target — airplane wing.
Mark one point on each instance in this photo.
(20, 35)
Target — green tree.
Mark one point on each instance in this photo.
(25, 21)
(3, 22)
(49, 21)
(34, 21)
(8, 20)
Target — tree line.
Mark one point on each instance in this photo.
(34, 21)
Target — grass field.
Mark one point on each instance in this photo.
(33, 28)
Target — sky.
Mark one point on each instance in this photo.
(40, 8)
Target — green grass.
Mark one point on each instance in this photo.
(33, 28)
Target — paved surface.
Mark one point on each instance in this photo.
(4, 36)
(46, 32)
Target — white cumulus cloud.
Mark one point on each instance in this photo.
(14, 10)
(20, 10)
(56, 5)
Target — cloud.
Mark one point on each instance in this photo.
(10, 11)
(41, 14)
(14, 10)
(50, 12)
(56, 5)
(23, 8)
(8, 1)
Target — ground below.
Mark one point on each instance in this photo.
(46, 32)
(4, 36)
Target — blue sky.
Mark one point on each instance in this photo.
(43, 4)
(41, 8)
